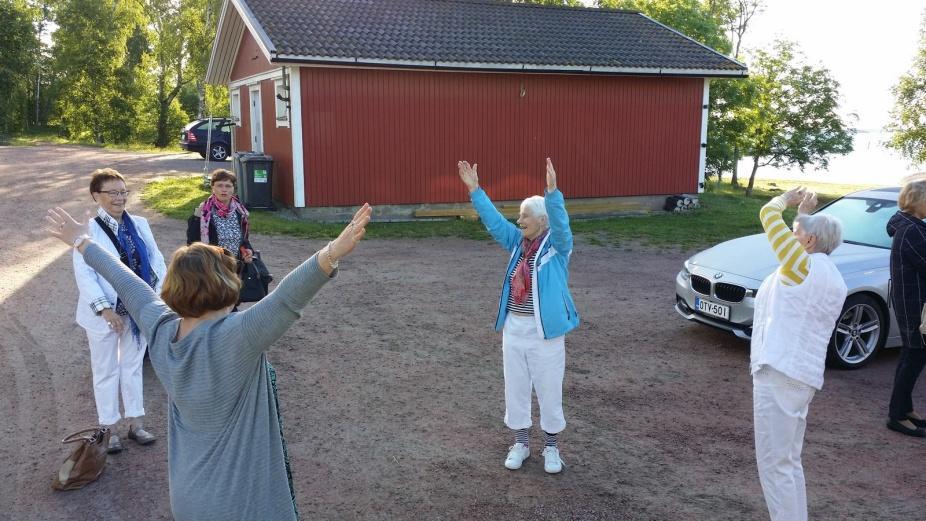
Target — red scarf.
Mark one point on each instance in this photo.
(521, 282)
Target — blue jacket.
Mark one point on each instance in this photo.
(554, 310)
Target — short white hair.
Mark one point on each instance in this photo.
(826, 228)
(537, 206)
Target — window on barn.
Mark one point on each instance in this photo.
(281, 98)
(235, 106)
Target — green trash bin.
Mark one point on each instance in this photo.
(256, 185)
(238, 168)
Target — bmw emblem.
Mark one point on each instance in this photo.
(718, 275)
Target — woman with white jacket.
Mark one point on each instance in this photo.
(117, 347)
(796, 310)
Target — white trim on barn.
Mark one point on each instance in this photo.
(702, 146)
(295, 117)
(234, 104)
(272, 74)
(256, 106)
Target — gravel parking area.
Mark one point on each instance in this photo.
(392, 395)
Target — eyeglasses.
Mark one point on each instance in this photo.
(116, 193)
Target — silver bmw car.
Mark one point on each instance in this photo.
(718, 286)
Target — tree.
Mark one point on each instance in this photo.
(201, 21)
(689, 17)
(908, 125)
(170, 54)
(90, 50)
(791, 116)
(19, 54)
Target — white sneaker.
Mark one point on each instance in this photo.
(552, 463)
(516, 456)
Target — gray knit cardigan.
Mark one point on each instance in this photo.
(224, 451)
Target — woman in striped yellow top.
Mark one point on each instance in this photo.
(796, 309)
(790, 248)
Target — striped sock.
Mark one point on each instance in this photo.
(522, 436)
(549, 439)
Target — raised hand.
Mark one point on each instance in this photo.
(468, 175)
(551, 176)
(60, 224)
(351, 235)
(808, 203)
(794, 196)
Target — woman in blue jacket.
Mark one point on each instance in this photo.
(535, 311)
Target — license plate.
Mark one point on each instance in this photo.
(710, 308)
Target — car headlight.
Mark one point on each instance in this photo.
(686, 270)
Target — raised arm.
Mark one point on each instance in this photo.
(793, 258)
(502, 230)
(560, 233)
(263, 323)
(139, 299)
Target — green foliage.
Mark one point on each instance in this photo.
(19, 52)
(908, 125)
(94, 66)
(791, 116)
(692, 18)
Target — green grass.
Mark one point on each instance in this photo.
(177, 197)
(724, 214)
(46, 136)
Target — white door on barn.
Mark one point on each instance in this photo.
(257, 124)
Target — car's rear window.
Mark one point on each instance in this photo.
(217, 124)
(864, 220)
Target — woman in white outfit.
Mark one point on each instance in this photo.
(796, 310)
(117, 347)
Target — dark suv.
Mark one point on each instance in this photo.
(193, 137)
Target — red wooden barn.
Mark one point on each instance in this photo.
(376, 100)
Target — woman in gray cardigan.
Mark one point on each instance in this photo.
(224, 452)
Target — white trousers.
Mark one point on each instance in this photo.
(532, 361)
(780, 405)
(116, 361)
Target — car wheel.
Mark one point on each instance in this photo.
(219, 152)
(860, 332)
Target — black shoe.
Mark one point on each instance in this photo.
(896, 426)
(919, 422)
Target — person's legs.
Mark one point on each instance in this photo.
(104, 364)
(517, 389)
(131, 364)
(131, 361)
(909, 366)
(780, 407)
(546, 360)
(517, 376)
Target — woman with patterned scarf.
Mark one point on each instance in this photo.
(221, 220)
(117, 347)
(535, 311)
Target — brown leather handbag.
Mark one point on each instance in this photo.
(86, 462)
